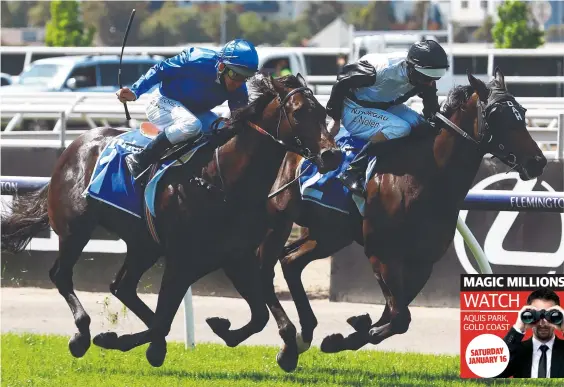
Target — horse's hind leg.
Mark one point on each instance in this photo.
(70, 248)
(245, 275)
(138, 260)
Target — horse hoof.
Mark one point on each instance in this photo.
(374, 336)
(333, 343)
(287, 361)
(79, 344)
(360, 323)
(156, 353)
(107, 340)
(218, 325)
(301, 344)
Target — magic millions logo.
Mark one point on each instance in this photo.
(498, 232)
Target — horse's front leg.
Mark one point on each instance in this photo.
(140, 258)
(403, 281)
(269, 252)
(244, 273)
(293, 265)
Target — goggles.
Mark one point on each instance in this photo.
(236, 76)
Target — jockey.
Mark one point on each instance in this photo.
(369, 96)
(190, 85)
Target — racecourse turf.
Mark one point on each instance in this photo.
(44, 360)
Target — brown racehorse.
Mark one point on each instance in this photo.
(411, 210)
(210, 214)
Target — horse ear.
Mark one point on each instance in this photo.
(500, 78)
(302, 80)
(479, 86)
(277, 85)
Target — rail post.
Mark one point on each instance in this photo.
(560, 143)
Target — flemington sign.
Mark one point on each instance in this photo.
(498, 231)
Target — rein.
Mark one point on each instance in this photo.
(484, 134)
(299, 149)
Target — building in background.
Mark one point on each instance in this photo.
(267, 10)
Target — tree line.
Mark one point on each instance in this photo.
(170, 24)
(70, 23)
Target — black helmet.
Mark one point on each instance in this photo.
(428, 58)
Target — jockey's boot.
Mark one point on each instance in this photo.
(138, 162)
(353, 176)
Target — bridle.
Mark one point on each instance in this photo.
(485, 142)
(296, 147)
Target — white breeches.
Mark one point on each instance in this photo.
(178, 123)
(364, 123)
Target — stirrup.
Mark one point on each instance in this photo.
(134, 166)
(354, 183)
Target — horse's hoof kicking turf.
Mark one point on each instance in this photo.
(79, 344)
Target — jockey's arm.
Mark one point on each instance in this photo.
(334, 127)
(430, 101)
(354, 75)
(180, 65)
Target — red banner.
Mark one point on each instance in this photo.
(489, 309)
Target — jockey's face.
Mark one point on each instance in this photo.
(416, 78)
(232, 80)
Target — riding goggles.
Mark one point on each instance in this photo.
(236, 76)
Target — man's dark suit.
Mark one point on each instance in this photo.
(521, 356)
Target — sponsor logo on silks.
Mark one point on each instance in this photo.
(493, 243)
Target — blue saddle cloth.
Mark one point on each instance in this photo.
(112, 183)
(326, 190)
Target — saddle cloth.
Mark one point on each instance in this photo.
(112, 182)
(326, 190)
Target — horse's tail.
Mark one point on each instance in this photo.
(26, 217)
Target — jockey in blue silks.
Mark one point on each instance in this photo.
(369, 96)
(190, 85)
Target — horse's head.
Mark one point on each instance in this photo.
(297, 122)
(499, 127)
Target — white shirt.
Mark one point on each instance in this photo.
(391, 78)
(537, 353)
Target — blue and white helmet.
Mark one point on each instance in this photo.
(240, 56)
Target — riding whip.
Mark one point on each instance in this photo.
(127, 116)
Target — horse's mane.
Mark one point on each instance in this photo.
(460, 95)
(262, 86)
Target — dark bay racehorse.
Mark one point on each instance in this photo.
(411, 210)
(210, 214)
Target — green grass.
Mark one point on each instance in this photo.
(40, 360)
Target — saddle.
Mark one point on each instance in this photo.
(216, 138)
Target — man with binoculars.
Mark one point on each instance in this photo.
(542, 356)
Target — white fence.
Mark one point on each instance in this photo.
(476, 50)
(103, 109)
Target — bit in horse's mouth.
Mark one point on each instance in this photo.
(524, 174)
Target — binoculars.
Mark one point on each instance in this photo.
(531, 316)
